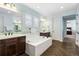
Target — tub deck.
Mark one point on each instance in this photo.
(37, 45)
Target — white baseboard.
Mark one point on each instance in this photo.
(58, 40)
(77, 44)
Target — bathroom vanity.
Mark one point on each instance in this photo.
(12, 45)
(46, 34)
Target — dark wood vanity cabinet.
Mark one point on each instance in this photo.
(20, 48)
(2, 48)
(46, 34)
(12, 46)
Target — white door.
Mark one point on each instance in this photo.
(77, 27)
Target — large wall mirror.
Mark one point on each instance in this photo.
(10, 21)
(17, 23)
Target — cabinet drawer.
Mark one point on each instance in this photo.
(21, 39)
(11, 41)
(2, 42)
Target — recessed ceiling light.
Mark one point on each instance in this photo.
(38, 7)
(8, 11)
(68, 21)
(61, 7)
(42, 19)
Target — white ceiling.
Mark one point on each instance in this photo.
(50, 8)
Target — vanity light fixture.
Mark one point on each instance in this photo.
(9, 6)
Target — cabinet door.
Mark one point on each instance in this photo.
(11, 46)
(20, 45)
(2, 48)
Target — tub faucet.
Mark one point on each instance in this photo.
(30, 30)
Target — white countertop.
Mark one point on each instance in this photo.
(11, 36)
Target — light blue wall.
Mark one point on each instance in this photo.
(25, 10)
(58, 24)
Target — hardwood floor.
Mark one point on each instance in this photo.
(62, 49)
(65, 48)
(24, 54)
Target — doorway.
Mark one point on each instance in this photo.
(69, 32)
(71, 28)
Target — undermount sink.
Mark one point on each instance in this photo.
(11, 36)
